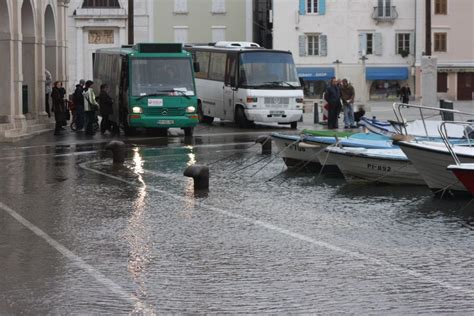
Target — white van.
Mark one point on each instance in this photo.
(242, 82)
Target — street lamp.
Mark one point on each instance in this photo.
(337, 62)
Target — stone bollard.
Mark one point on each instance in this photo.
(266, 142)
(118, 150)
(200, 174)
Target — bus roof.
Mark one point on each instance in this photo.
(147, 50)
(232, 46)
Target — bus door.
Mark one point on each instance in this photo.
(230, 86)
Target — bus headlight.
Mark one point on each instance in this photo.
(137, 109)
(190, 109)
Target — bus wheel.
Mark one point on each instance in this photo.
(241, 119)
(203, 118)
(188, 131)
(128, 131)
(294, 125)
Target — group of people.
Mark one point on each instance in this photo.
(85, 105)
(340, 97)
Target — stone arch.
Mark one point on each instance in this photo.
(51, 47)
(28, 32)
(5, 55)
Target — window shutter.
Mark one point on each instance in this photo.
(302, 7)
(378, 48)
(412, 44)
(362, 44)
(180, 6)
(323, 41)
(302, 45)
(218, 6)
(322, 7)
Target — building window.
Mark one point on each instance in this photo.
(369, 44)
(403, 44)
(218, 33)
(441, 6)
(442, 82)
(384, 8)
(101, 4)
(440, 42)
(218, 7)
(180, 34)
(312, 6)
(180, 6)
(312, 44)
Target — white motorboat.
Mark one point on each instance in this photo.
(389, 166)
(431, 160)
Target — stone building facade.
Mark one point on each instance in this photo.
(32, 39)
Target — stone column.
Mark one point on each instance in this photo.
(6, 101)
(79, 53)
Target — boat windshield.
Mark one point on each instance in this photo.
(268, 70)
(155, 75)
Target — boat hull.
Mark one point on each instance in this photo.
(466, 176)
(432, 166)
(362, 168)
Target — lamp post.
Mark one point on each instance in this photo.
(363, 98)
(337, 62)
(130, 22)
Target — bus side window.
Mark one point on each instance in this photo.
(230, 76)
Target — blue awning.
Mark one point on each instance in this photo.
(386, 73)
(314, 73)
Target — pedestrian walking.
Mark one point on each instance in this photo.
(58, 107)
(106, 109)
(78, 100)
(332, 95)
(405, 94)
(48, 89)
(90, 107)
(347, 96)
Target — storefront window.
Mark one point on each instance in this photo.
(384, 90)
(314, 89)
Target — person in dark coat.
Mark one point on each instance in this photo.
(58, 107)
(106, 109)
(332, 95)
(78, 100)
(405, 94)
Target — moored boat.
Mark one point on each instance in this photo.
(390, 166)
(431, 159)
(465, 173)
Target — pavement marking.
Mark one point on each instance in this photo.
(301, 237)
(75, 259)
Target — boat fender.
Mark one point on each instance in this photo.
(401, 137)
(306, 145)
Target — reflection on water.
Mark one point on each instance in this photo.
(138, 233)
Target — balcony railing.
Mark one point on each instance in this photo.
(385, 14)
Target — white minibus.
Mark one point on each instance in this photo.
(244, 83)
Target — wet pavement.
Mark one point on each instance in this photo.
(81, 236)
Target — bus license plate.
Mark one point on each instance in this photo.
(165, 122)
(277, 112)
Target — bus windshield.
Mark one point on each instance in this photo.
(267, 70)
(153, 76)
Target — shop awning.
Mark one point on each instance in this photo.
(386, 73)
(315, 73)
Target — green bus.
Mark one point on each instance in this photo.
(152, 85)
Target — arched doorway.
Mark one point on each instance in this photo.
(5, 56)
(50, 51)
(28, 57)
(51, 43)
